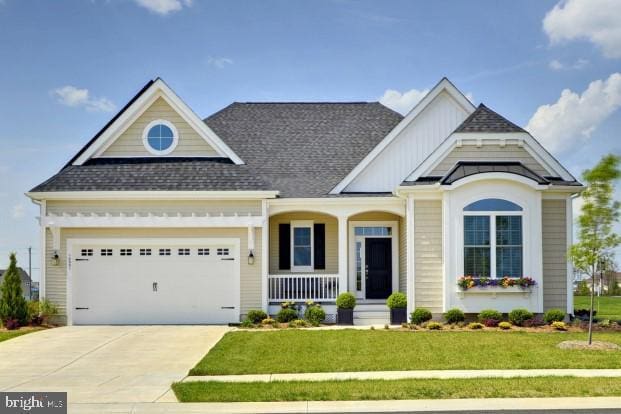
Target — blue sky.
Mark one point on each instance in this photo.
(68, 65)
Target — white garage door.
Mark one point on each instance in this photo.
(156, 281)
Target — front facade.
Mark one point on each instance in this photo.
(164, 218)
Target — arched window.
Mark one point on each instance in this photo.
(493, 239)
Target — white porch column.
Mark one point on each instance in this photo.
(411, 288)
(343, 254)
(265, 237)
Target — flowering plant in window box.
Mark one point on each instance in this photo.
(469, 282)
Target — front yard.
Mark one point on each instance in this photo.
(294, 351)
(607, 307)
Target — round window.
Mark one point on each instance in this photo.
(160, 137)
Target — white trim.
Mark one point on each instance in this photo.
(443, 85)
(411, 255)
(72, 242)
(265, 255)
(151, 195)
(150, 221)
(302, 224)
(145, 137)
(339, 206)
(43, 259)
(343, 253)
(487, 176)
(158, 89)
(394, 237)
(569, 211)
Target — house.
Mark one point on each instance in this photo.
(24, 277)
(163, 217)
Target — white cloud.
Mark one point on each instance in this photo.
(76, 97)
(18, 211)
(574, 117)
(163, 7)
(402, 102)
(219, 62)
(577, 65)
(598, 21)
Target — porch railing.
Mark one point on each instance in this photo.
(301, 287)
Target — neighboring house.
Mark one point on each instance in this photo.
(25, 278)
(166, 218)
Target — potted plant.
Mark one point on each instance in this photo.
(345, 304)
(397, 302)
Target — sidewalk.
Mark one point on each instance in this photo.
(457, 405)
(426, 374)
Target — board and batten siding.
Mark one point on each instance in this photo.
(250, 277)
(130, 143)
(488, 153)
(555, 276)
(331, 224)
(214, 208)
(428, 255)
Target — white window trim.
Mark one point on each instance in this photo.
(492, 236)
(303, 224)
(145, 136)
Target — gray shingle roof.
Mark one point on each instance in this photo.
(484, 119)
(303, 149)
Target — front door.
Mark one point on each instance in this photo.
(378, 267)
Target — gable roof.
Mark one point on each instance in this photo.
(134, 108)
(484, 119)
(303, 149)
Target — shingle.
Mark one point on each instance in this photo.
(484, 119)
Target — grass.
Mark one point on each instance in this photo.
(397, 389)
(607, 307)
(367, 350)
(6, 335)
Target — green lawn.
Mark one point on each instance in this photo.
(397, 389)
(607, 307)
(287, 351)
(6, 335)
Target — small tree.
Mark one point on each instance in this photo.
(595, 225)
(13, 305)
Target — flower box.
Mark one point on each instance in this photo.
(483, 285)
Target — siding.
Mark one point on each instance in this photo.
(250, 278)
(488, 153)
(228, 208)
(428, 254)
(554, 254)
(129, 143)
(331, 223)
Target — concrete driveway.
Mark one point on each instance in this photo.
(105, 364)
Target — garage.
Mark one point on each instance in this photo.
(153, 281)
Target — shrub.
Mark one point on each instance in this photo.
(420, 315)
(504, 326)
(491, 323)
(475, 325)
(286, 315)
(489, 314)
(46, 310)
(256, 316)
(12, 303)
(553, 315)
(298, 323)
(454, 315)
(287, 305)
(519, 316)
(559, 326)
(397, 301)
(11, 324)
(386, 326)
(314, 315)
(583, 314)
(604, 323)
(434, 326)
(346, 300)
(268, 321)
(534, 322)
(33, 313)
(247, 323)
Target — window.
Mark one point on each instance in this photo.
(86, 252)
(358, 265)
(183, 252)
(164, 252)
(203, 252)
(222, 252)
(493, 239)
(373, 231)
(126, 252)
(302, 246)
(145, 252)
(106, 252)
(160, 137)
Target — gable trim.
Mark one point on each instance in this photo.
(443, 85)
(137, 107)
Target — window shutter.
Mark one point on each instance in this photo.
(320, 245)
(284, 246)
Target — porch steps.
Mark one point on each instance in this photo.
(371, 314)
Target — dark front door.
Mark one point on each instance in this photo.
(378, 258)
